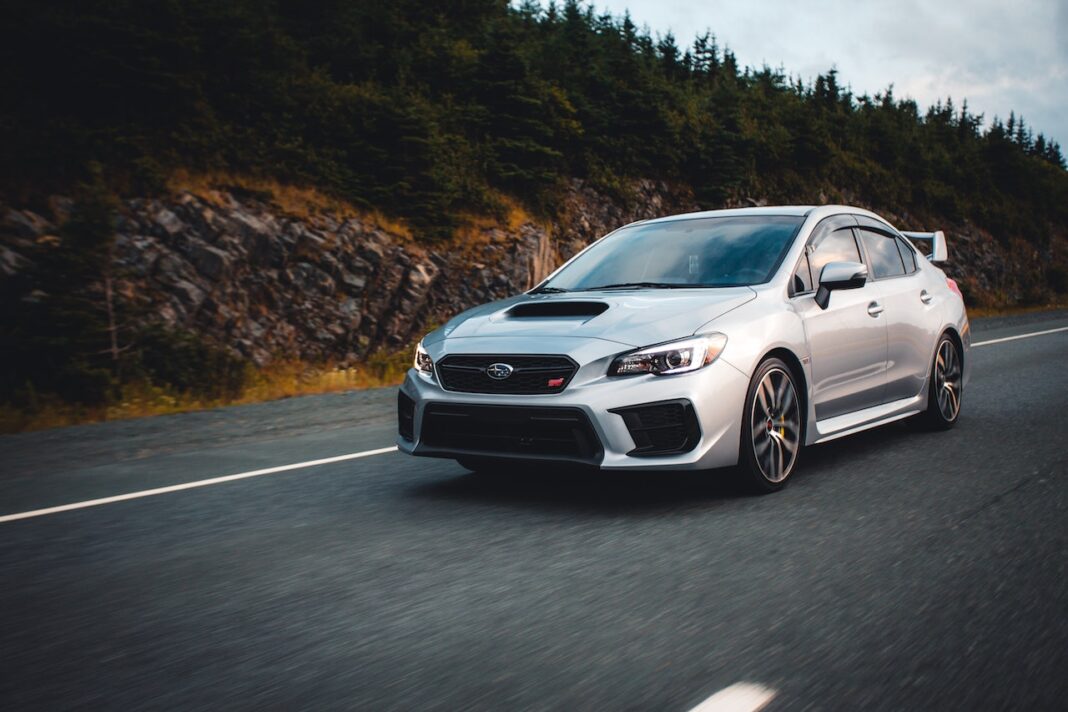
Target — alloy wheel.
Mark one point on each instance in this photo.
(775, 421)
(948, 380)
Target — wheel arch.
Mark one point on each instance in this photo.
(951, 330)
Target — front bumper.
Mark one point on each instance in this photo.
(713, 395)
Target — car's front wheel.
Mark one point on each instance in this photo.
(771, 428)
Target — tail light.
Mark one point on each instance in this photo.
(952, 284)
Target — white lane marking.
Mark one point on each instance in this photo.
(1020, 336)
(739, 697)
(194, 485)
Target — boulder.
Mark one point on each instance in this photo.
(210, 261)
(169, 222)
(309, 278)
(190, 295)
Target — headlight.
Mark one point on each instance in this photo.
(673, 357)
(423, 363)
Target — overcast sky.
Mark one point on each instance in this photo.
(999, 55)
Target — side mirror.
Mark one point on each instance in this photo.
(839, 275)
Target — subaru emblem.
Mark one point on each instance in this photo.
(499, 371)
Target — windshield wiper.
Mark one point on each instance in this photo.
(641, 285)
(548, 290)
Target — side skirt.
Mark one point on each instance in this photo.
(842, 425)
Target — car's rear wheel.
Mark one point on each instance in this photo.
(946, 387)
(771, 428)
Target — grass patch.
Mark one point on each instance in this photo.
(296, 201)
(285, 379)
(474, 231)
(985, 312)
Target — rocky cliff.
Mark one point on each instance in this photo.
(240, 271)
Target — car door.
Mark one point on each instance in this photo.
(847, 340)
(910, 311)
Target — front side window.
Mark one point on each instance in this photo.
(832, 246)
(803, 276)
(696, 252)
(883, 254)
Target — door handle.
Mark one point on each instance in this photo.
(925, 297)
(875, 309)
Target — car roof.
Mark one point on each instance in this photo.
(816, 211)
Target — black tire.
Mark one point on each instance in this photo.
(945, 388)
(773, 420)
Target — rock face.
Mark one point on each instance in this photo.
(243, 274)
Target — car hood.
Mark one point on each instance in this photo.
(632, 318)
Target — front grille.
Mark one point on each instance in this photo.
(515, 431)
(405, 416)
(531, 374)
(663, 428)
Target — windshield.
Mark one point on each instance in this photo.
(697, 252)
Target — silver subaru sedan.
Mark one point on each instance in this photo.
(729, 338)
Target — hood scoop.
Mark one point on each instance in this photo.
(556, 309)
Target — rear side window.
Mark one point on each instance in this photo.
(883, 255)
(907, 255)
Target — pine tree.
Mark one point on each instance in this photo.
(62, 341)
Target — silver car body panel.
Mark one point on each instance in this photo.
(862, 365)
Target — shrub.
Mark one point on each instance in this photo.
(185, 363)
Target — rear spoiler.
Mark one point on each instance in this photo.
(939, 251)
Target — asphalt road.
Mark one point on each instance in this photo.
(899, 570)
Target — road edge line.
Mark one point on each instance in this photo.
(1019, 336)
(193, 485)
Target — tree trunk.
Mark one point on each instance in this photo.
(112, 328)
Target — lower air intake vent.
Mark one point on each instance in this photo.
(511, 431)
(405, 417)
(663, 428)
(534, 309)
